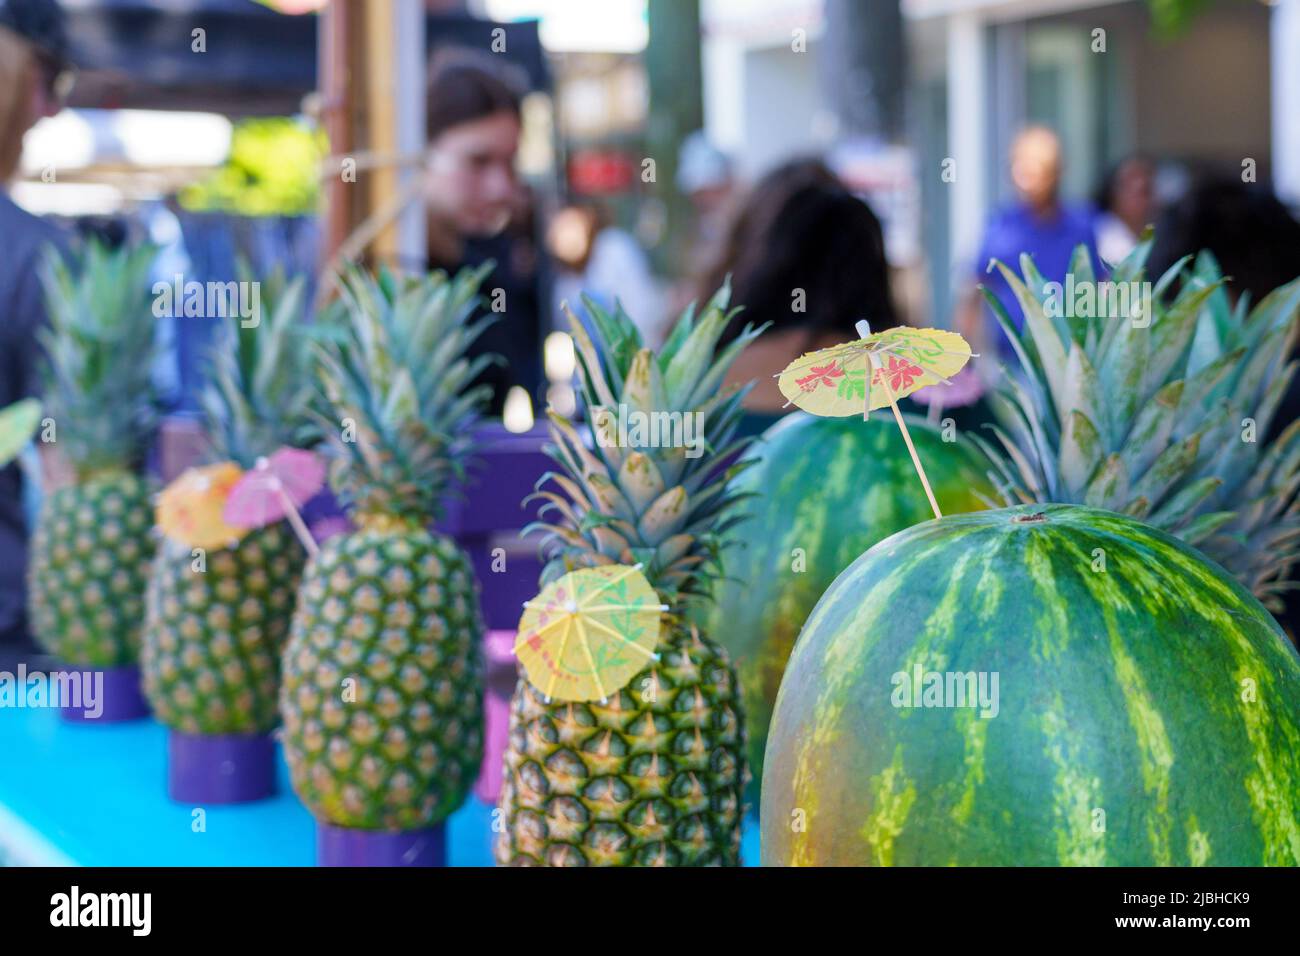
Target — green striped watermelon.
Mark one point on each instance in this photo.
(828, 489)
(1147, 707)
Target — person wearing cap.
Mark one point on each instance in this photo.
(34, 71)
(704, 176)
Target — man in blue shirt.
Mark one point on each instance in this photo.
(1039, 223)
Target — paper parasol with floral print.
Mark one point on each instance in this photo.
(190, 509)
(18, 423)
(275, 488)
(589, 633)
(875, 371)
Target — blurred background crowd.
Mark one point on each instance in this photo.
(837, 159)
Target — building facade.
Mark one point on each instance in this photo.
(1222, 91)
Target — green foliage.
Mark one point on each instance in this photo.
(398, 388)
(100, 348)
(657, 506)
(1171, 17)
(259, 388)
(1160, 416)
(271, 171)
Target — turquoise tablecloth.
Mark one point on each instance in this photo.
(95, 796)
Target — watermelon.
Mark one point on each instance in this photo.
(1038, 685)
(827, 489)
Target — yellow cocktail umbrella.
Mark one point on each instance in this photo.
(875, 371)
(589, 633)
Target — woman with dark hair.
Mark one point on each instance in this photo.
(478, 211)
(1126, 204)
(1250, 232)
(808, 257)
(1256, 241)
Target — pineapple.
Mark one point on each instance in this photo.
(92, 546)
(1162, 421)
(215, 626)
(654, 775)
(382, 695)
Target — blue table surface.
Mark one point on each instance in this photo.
(96, 796)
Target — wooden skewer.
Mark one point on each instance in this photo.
(564, 645)
(907, 437)
(298, 525)
(627, 641)
(591, 661)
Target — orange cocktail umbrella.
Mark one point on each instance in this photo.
(189, 510)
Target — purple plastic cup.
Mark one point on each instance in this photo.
(220, 768)
(118, 697)
(345, 846)
(499, 650)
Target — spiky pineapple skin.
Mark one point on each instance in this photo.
(215, 628)
(89, 570)
(653, 778)
(382, 694)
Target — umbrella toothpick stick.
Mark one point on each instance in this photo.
(298, 525)
(907, 437)
(864, 331)
(564, 643)
(591, 661)
(936, 411)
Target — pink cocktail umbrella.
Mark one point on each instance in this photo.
(275, 488)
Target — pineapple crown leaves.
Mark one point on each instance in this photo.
(1143, 412)
(259, 390)
(99, 349)
(396, 401)
(660, 504)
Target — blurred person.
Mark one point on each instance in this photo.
(479, 211)
(808, 257)
(596, 258)
(33, 68)
(1038, 223)
(1246, 227)
(1126, 204)
(704, 176)
(1253, 236)
(1257, 243)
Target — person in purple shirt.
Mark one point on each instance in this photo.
(1038, 223)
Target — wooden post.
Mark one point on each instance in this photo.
(337, 26)
(371, 69)
(862, 67)
(411, 73)
(676, 110)
(381, 92)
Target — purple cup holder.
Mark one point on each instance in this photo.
(345, 846)
(220, 768)
(90, 695)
